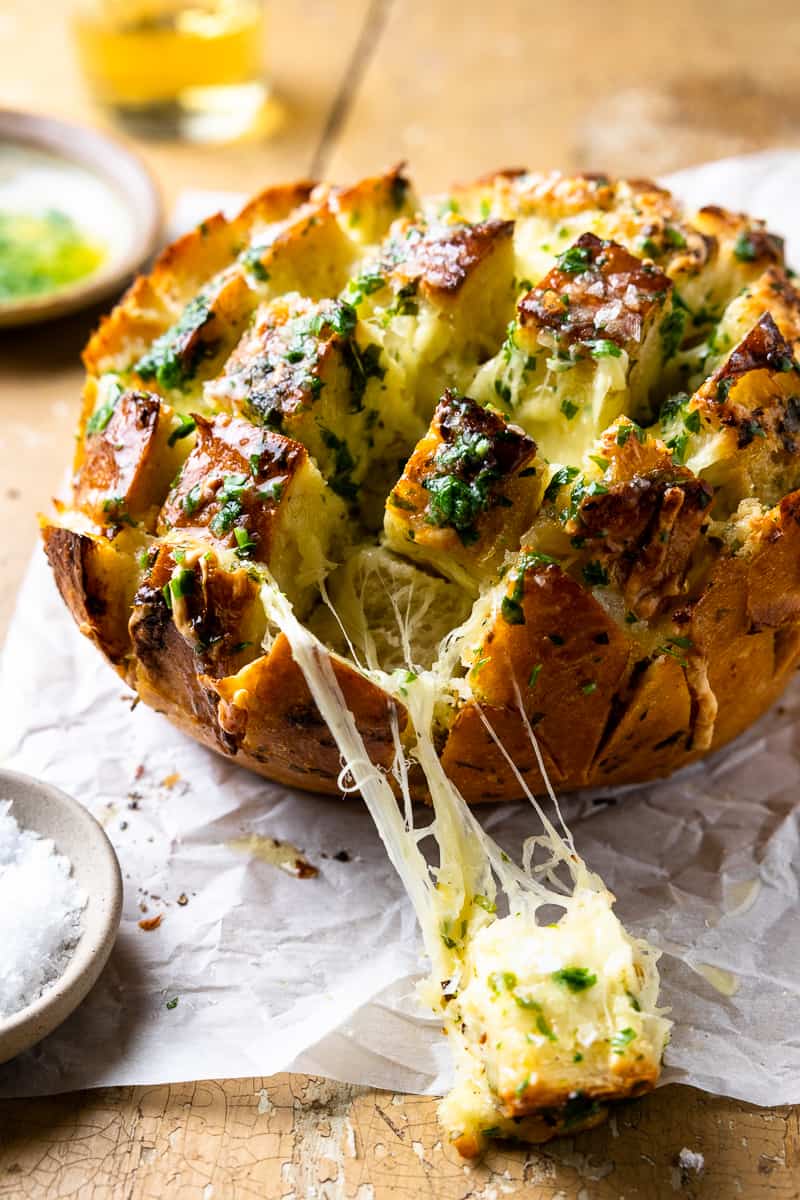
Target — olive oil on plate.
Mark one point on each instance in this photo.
(59, 224)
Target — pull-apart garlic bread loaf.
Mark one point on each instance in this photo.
(451, 498)
(539, 434)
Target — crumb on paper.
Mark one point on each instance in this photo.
(342, 856)
(303, 869)
(279, 854)
(139, 772)
(169, 781)
(149, 923)
(691, 1160)
(183, 899)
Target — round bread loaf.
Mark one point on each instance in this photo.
(540, 435)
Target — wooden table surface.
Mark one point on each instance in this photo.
(456, 89)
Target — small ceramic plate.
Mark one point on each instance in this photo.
(50, 812)
(95, 181)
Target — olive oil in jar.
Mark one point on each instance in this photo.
(176, 68)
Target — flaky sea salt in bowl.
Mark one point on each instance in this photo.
(60, 906)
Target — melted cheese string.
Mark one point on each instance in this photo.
(455, 900)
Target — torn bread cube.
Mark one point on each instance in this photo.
(741, 430)
(437, 298)
(201, 338)
(258, 495)
(309, 370)
(132, 446)
(550, 644)
(211, 603)
(773, 293)
(155, 302)
(588, 342)
(468, 493)
(368, 208)
(742, 248)
(549, 1022)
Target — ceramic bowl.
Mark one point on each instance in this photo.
(116, 182)
(52, 813)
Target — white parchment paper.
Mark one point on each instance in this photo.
(272, 972)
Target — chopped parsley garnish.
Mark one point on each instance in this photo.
(343, 465)
(365, 285)
(581, 491)
(509, 344)
(251, 261)
(191, 501)
(101, 416)
(674, 237)
(186, 427)
(485, 903)
(574, 260)
(595, 574)
(625, 431)
(469, 449)
(363, 365)
(173, 358)
(405, 303)
(534, 675)
(503, 392)
(271, 491)
(622, 1039)
(173, 1003)
(678, 445)
(671, 332)
(744, 248)
(569, 409)
(455, 502)
(230, 512)
(559, 479)
(589, 688)
(245, 544)
(577, 979)
(116, 510)
(671, 407)
(502, 981)
(511, 608)
(604, 348)
(180, 584)
(545, 1029)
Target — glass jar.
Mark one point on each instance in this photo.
(176, 68)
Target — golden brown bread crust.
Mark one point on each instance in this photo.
(94, 588)
(647, 619)
(598, 290)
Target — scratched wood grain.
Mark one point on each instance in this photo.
(455, 89)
